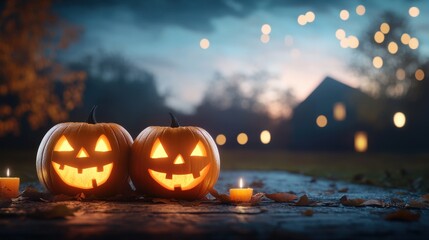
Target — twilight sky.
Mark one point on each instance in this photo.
(163, 37)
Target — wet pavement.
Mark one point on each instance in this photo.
(324, 218)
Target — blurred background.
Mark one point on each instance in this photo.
(331, 88)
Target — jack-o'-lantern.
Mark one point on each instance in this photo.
(174, 162)
(91, 157)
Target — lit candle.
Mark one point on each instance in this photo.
(240, 194)
(9, 186)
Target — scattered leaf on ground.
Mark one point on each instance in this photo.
(56, 212)
(221, 197)
(402, 215)
(31, 193)
(416, 204)
(425, 197)
(304, 201)
(257, 198)
(351, 202)
(282, 197)
(308, 213)
(343, 190)
(373, 203)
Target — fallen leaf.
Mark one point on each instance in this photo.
(257, 198)
(416, 204)
(425, 197)
(32, 194)
(304, 201)
(402, 215)
(373, 203)
(221, 197)
(351, 202)
(56, 212)
(282, 197)
(343, 190)
(257, 184)
(308, 212)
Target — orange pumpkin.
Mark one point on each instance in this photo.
(89, 157)
(174, 162)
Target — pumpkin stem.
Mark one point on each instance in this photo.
(174, 122)
(91, 118)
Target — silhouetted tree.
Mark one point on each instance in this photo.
(396, 76)
(34, 87)
(124, 93)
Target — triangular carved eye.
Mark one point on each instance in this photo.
(63, 145)
(103, 144)
(199, 150)
(158, 150)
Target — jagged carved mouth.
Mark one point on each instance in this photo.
(84, 178)
(179, 181)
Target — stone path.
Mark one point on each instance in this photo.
(210, 220)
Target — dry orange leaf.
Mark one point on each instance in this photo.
(282, 197)
(308, 213)
(351, 202)
(402, 215)
(304, 201)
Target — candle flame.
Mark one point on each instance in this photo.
(241, 183)
(7, 172)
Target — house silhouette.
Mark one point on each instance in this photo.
(330, 117)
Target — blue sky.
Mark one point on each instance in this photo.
(163, 36)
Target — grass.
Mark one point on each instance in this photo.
(409, 171)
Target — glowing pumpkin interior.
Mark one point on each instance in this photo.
(83, 178)
(178, 181)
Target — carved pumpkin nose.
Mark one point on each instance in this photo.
(82, 153)
(179, 160)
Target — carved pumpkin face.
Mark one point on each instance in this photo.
(174, 162)
(84, 157)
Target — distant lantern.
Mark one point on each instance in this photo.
(265, 38)
(339, 111)
(310, 16)
(399, 119)
(204, 43)
(265, 137)
(321, 121)
(361, 141)
(400, 74)
(413, 43)
(302, 20)
(242, 138)
(340, 34)
(405, 38)
(353, 41)
(344, 15)
(220, 139)
(392, 48)
(420, 74)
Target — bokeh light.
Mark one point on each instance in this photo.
(339, 111)
(361, 141)
(360, 10)
(385, 28)
(419, 74)
(392, 48)
(266, 29)
(302, 20)
(265, 38)
(220, 139)
(310, 16)
(378, 37)
(204, 43)
(344, 43)
(340, 34)
(400, 74)
(405, 38)
(399, 119)
(377, 62)
(353, 42)
(265, 137)
(414, 43)
(414, 11)
(321, 121)
(344, 15)
(242, 138)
